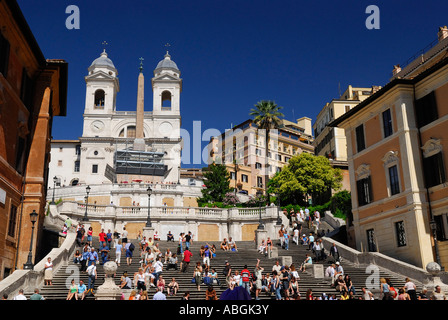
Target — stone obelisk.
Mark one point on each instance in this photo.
(139, 142)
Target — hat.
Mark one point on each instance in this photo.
(338, 263)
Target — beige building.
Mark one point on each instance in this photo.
(395, 147)
(242, 149)
(331, 143)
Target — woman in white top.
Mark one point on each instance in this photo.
(140, 280)
(410, 289)
(48, 272)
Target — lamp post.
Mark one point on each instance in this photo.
(260, 224)
(87, 202)
(433, 226)
(148, 220)
(55, 179)
(29, 263)
(279, 220)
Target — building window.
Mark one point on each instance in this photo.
(393, 180)
(4, 55)
(347, 108)
(257, 165)
(426, 109)
(59, 163)
(78, 149)
(441, 226)
(434, 170)
(77, 166)
(360, 141)
(233, 175)
(259, 182)
(166, 100)
(387, 123)
(244, 178)
(94, 168)
(364, 187)
(371, 243)
(26, 90)
(191, 182)
(12, 221)
(58, 182)
(99, 99)
(401, 234)
(258, 152)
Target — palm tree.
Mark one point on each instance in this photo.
(267, 116)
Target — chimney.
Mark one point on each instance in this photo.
(139, 142)
(396, 70)
(443, 33)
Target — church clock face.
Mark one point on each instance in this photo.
(97, 126)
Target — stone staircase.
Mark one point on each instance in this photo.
(247, 254)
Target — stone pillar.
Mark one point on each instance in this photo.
(259, 236)
(109, 290)
(317, 270)
(148, 232)
(139, 142)
(434, 280)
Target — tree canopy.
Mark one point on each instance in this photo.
(217, 183)
(305, 174)
(267, 117)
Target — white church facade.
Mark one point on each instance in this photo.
(127, 162)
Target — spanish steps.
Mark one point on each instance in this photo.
(247, 254)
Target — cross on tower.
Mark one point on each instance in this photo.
(104, 43)
(167, 45)
(141, 63)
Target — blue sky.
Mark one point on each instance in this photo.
(233, 53)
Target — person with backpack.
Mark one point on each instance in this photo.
(129, 252)
(92, 274)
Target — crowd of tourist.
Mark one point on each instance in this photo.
(279, 282)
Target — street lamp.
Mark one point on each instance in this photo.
(279, 220)
(87, 202)
(55, 179)
(260, 224)
(29, 264)
(148, 220)
(433, 226)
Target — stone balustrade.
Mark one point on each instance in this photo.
(230, 221)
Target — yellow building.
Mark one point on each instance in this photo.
(242, 150)
(395, 147)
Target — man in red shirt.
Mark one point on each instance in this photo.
(102, 237)
(186, 260)
(245, 277)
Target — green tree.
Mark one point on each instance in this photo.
(267, 117)
(305, 174)
(217, 183)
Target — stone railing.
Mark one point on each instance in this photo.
(375, 258)
(73, 208)
(28, 280)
